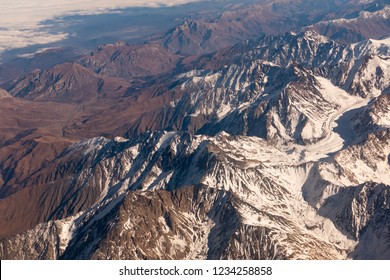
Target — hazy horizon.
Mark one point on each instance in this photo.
(27, 23)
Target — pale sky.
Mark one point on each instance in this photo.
(21, 20)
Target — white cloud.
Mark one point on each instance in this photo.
(14, 38)
(21, 21)
(30, 55)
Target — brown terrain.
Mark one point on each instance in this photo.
(270, 17)
(123, 60)
(48, 111)
(368, 25)
(127, 90)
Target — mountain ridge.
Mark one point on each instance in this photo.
(274, 148)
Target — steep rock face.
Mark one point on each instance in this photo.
(259, 204)
(352, 189)
(373, 229)
(182, 224)
(374, 117)
(40, 243)
(380, 111)
(278, 104)
(54, 189)
(363, 162)
(361, 69)
(366, 209)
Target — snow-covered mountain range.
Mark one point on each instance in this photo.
(274, 148)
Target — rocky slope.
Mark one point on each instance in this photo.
(275, 148)
(282, 87)
(250, 20)
(65, 82)
(171, 193)
(123, 60)
(372, 24)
